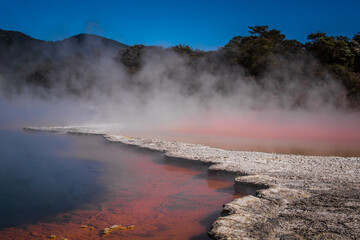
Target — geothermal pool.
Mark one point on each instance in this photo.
(52, 184)
(274, 132)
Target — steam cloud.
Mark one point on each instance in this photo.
(169, 93)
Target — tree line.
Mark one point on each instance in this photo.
(261, 57)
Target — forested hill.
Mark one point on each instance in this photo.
(17, 48)
(265, 58)
(265, 51)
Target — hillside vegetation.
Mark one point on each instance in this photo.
(264, 58)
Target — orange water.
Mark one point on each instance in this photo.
(162, 198)
(279, 132)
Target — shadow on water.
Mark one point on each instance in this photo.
(36, 183)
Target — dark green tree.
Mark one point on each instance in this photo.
(261, 49)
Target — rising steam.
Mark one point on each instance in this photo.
(169, 94)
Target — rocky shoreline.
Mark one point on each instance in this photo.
(302, 197)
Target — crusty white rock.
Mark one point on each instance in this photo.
(304, 197)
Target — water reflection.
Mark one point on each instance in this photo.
(35, 182)
(164, 198)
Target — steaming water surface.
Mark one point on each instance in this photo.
(266, 131)
(51, 184)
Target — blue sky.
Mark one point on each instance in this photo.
(205, 24)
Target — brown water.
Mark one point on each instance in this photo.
(163, 198)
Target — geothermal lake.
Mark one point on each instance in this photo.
(52, 184)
